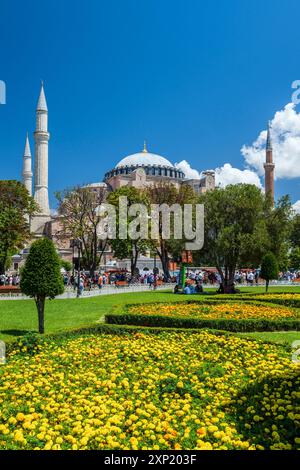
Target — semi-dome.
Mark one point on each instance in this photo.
(144, 158)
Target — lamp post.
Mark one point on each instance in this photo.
(77, 243)
(72, 245)
(155, 272)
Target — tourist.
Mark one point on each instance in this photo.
(187, 289)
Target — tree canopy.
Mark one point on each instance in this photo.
(235, 229)
(129, 248)
(16, 206)
(41, 277)
(167, 193)
(269, 268)
(78, 208)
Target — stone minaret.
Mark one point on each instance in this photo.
(41, 137)
(269, 166)
(27, 173)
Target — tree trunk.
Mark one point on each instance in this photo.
(267, 285)
(2, 267)
(165, 265)
(227, 280)
(40, 304)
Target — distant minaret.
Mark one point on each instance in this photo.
(41, 137)
(27, 173)
(269, 166)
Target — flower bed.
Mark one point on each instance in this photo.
(288, 299)
(145, 391)
(216, 315)
(214, 311)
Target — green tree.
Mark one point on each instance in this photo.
(67, 265)
(16, 206)
(41, 277)
(167, 193)
(78, 208)
(279, 221)
(129, 248)
(235, 229)
(269, 268)
(295, 231)
(294, 258)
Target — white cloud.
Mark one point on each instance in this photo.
(189, 172)
(224, 175)
(229, 175)
(296, 207)
(285, 135)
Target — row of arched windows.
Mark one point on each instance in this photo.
(149, 170)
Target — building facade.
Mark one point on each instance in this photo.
(138, 170)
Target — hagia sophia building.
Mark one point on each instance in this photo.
(138, 170)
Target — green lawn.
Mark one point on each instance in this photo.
(280, 337)
(17, 317)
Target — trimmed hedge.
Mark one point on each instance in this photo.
(218, 324)
(275, 299)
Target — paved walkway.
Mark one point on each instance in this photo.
(106, 290)
(110, 290)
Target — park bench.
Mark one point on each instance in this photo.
(121, 284)
(10, 290)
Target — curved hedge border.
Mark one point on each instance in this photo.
(293, 303)
(218, 324)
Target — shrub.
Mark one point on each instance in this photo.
(219, 324)
(41, 276)
(269, 268)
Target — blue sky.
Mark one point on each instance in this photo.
(196, 79)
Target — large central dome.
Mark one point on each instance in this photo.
(144, 158)
(154, 167)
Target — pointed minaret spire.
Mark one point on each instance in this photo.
(42, 103)
(27, 173)
(269, 166)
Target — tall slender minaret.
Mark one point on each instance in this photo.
(27, 173)
(269, 166)
(41, 137)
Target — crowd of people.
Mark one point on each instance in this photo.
(196, 279)
(10, 280)
(99, 280)
(242, 276)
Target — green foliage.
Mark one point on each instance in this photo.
(16, 205)
(237, 325)
(67, 265)
(295, 231)
(79, 208)
(129, 248)
(279, 226)
(41, 275)
(235, 230)
(167, 193)
(29, 344)
(269, 268)
(272, 385)
(294, 258)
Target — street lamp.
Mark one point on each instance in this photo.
(77, 242)
(155, 271)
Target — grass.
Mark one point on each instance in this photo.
(18, 317)
(279, 337)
